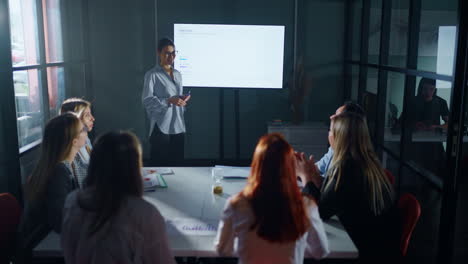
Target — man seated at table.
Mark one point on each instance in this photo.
(427, 110)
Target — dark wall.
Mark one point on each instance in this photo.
(121, 41)
(122, 48)
(256, 107)
(119, 48)
(324, 54)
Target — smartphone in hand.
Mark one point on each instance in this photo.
(184, 96)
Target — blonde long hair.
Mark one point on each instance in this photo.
(75, 105)
(352, 141)
(56, 145)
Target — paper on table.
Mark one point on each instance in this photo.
(154, 180)
(192, 226)
(162, 171)
(231, 172)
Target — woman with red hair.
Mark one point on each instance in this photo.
(272, 221)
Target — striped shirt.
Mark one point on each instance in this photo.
(81, 162)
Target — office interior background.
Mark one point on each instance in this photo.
(372, 51)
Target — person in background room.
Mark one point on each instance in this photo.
(428, 109)
(425, 114)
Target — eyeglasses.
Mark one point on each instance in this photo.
(174, 53)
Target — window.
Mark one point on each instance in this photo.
(38, 65)
(406, 88)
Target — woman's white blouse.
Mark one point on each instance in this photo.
(157, 89)
(235, 238)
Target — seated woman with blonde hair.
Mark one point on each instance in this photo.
(356, 189)
(272, 221)
(82, 108)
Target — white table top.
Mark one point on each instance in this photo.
(189, 196)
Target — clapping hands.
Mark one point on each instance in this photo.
(307, 170)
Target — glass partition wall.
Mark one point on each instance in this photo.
(406, 64)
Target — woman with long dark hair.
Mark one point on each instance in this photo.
(51, 181)
(109, 221)
(273, 221)
(356, 189)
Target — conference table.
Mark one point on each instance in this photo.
(192, 212)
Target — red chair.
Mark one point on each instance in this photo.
(410, 210)
(390, 176)
(10, 210)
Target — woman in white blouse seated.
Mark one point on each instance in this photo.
(272, 221)
(108, 221)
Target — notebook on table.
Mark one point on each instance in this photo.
(153, 180)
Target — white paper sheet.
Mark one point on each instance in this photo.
(192, 226)
(162, 171)
(230, 172)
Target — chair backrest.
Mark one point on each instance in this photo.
(410, 210)
(390, 176)
(10, 210)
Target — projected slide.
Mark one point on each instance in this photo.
(230, 56)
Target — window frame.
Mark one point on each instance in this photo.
(42, 66)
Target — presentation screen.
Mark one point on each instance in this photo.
(230, 56)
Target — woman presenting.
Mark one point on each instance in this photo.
(165, 104)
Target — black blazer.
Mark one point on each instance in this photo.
(373, 235)
(44, 215)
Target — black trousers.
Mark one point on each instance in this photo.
(166, 149)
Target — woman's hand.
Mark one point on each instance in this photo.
(176, 100)
(307, 170)
(186, 98)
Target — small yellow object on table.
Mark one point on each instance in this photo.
(217, 189)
